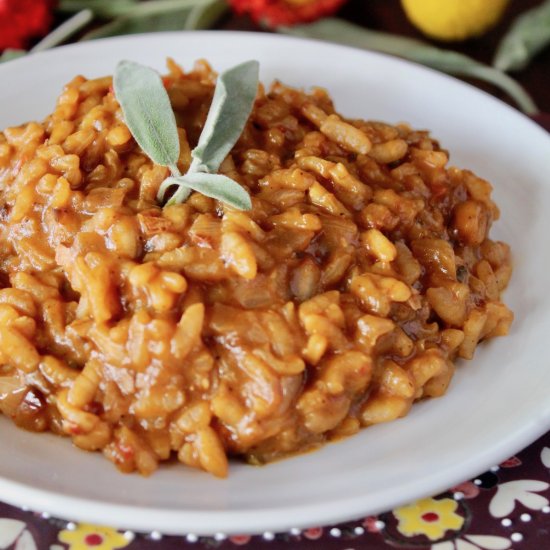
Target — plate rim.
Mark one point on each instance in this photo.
(169, 522)
(57, 50)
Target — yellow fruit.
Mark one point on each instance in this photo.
(454, 19)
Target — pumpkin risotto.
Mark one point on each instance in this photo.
(362, 271)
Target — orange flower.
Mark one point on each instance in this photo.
(21, 20)
(274, 13)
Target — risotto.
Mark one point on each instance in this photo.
(362, 272)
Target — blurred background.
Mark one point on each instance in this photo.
(501, 46)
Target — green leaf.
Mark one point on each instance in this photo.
(135, 18)
(64, 31)
(174, 21)
(101, 8)
(133, 8)
(232, 103)
(148, 112)
(180, 195)
(340, 31)
(10, 54)
(217, 186)
(529, 34)
(204, 15)
(150, 118)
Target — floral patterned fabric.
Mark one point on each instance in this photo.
(505, 508)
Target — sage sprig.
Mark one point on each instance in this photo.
(148, 113)
(529, 34)
(150, 118)
(217, 186)
(231, 106)
(340, 31)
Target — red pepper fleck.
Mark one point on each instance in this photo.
(73, 429)
(94, 408)
(126, 451)
(439, 191)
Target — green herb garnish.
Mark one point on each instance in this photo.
(231, 106)
(529, 34)
(148, 112)
(217, 186)
(150, 118)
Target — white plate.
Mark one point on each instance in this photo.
(497, 403)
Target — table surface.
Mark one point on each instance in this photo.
(505, 508)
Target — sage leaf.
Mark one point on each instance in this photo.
(231, 106)
(147, 112)
(179, 196)
(343, 32)
(529, 34)
(150, 118)
(217, 186)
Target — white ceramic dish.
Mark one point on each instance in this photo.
(497, 404)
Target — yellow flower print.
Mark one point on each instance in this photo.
(429, 517)
(93, 537)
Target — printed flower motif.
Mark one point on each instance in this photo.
(372, 524)
(285, 12)
(545, 456)
(512, 462)
(87, 536)
(313, 533)
(25, 542)
(429, 517)
(474, 542)
(21, 20)
(10, 530)
(468, 489)
(487, 480)
(524, 491)
(240, 540)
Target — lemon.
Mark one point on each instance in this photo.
(454, 19)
